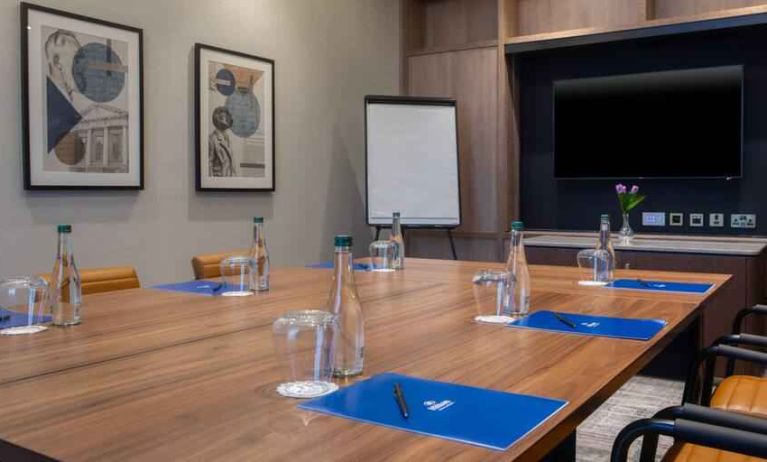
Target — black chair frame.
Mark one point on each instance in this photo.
(694, 424)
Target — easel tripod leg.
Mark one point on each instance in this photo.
(452, 243)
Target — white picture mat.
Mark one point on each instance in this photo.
(38, 104)
(206, 181)
(412, 164)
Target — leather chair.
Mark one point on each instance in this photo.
(739, 393)
(207, 266)
(98, 280)
(701, 434)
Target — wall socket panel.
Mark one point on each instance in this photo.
(696, 220)
(653, 218)
(716, 220)
(743, 220)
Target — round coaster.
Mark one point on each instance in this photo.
(493, 319)
(592, 283)
(306, 389)
(23, 330)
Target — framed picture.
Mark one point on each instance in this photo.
(234, 119)
(82, 102)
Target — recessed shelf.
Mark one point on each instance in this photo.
(448, 25)
(652, 28)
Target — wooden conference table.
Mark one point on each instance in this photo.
(155, 375)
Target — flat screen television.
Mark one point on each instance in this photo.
(671, 124)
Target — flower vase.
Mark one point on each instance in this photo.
(626, 234)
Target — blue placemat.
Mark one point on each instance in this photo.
(10, 319)
(487, 418)
(201, 287)
(660, 286)
(600, 326)
(329, 265)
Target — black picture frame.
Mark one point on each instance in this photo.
(199, 48)
(25, 10)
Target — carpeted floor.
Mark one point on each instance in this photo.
(641, 397)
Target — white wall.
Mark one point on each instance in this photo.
(328, 53)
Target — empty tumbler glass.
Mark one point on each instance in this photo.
(594, 267)
(491, 296)
(237, 276)
(383, 256)
(23, 306)
(303, 343)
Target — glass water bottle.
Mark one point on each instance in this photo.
(398, 238)
(605, 243)
(260, 255)
(349, 336)
(65, 293)
(518, 274)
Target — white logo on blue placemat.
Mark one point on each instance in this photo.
(590, 325)
(438, 406)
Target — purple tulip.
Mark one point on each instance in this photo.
(634, 189)
(620, 188)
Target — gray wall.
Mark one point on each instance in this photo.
(328, 53)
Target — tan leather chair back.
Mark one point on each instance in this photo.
(97, 280)
(208, 266)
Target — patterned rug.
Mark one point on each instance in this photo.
(639, 398)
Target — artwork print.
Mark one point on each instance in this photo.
(235, 134)
(84, 102)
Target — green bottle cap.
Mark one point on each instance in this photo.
(605, 216)
(64, 228)
(517, 226)
(258, 219)
(343, 240)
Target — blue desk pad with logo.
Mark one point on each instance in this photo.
(600, 326)
(329, 265)
(10, 319)
(200, 287)
(660, 286)
(486, 418)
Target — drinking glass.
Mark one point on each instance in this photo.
(237, 274)
(23, 306)
(594, 267)
(491, 296)
(382, 256)
(303, 343)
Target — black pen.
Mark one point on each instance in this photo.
(400, 398)
(564, 320)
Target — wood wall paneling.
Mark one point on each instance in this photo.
(434, 244)
(540, 16)
(469, 76)
(672, 8)
(453, 49)
(446, 23)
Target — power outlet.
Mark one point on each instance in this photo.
(743, 220)
(716, 220)
(696, 220)
(676, 219)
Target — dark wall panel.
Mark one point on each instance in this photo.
(548, 203)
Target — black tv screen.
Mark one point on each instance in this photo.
(670, 124)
